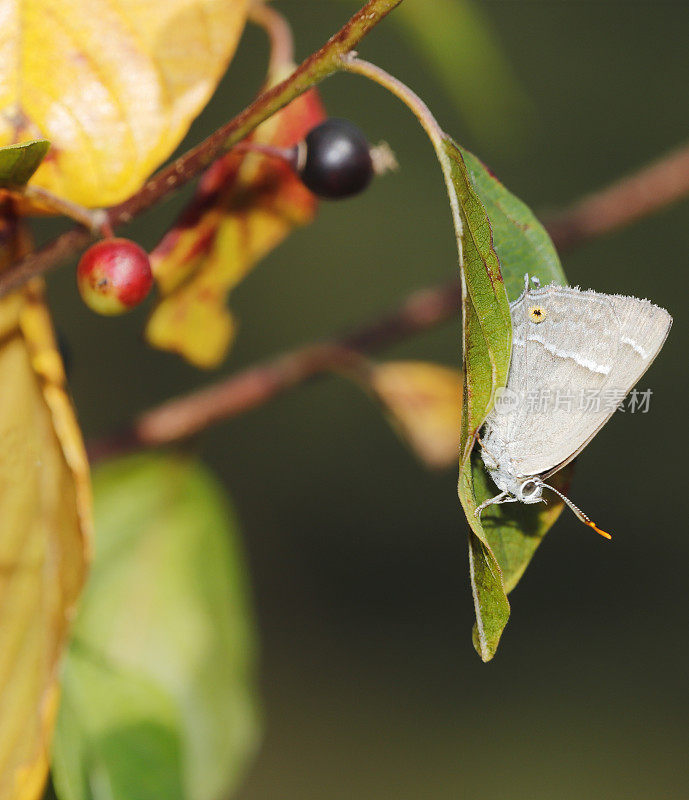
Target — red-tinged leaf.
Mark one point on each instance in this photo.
(246, 204)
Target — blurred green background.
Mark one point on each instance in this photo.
(357, 554)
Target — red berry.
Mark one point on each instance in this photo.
(114, 276)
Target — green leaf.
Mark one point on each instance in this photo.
(490, 603)
(118, 734)
(487, 348)
(490, 596)
(487, 325)
(18, 162)
(499, 236)
(513, 531)
(158, 686)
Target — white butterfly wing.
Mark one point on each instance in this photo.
(575, 355)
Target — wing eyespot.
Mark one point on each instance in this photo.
(537, 314)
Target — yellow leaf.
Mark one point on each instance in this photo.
(113, 84)
(244, 207)
(424, 402)
(44, 537)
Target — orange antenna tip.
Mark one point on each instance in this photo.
(605, 534)
(578, 513)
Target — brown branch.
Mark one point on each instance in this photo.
(185, 416)
(314, 69)
(653, 187)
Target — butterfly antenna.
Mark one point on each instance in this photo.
(578, 513)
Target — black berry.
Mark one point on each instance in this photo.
(335, 160)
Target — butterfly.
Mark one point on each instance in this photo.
(570, 347)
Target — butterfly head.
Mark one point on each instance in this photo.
(530, 491)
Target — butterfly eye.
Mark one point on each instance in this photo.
(537, 314)
(529, 491)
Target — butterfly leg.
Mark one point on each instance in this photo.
(503, 497)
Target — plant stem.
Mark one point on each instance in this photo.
(352, 63)
(318, 66)
(92, 218)
(287, 154)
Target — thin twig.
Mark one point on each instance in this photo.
(354, 64)
(314, 69)
(182, 417)
(92, 218)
